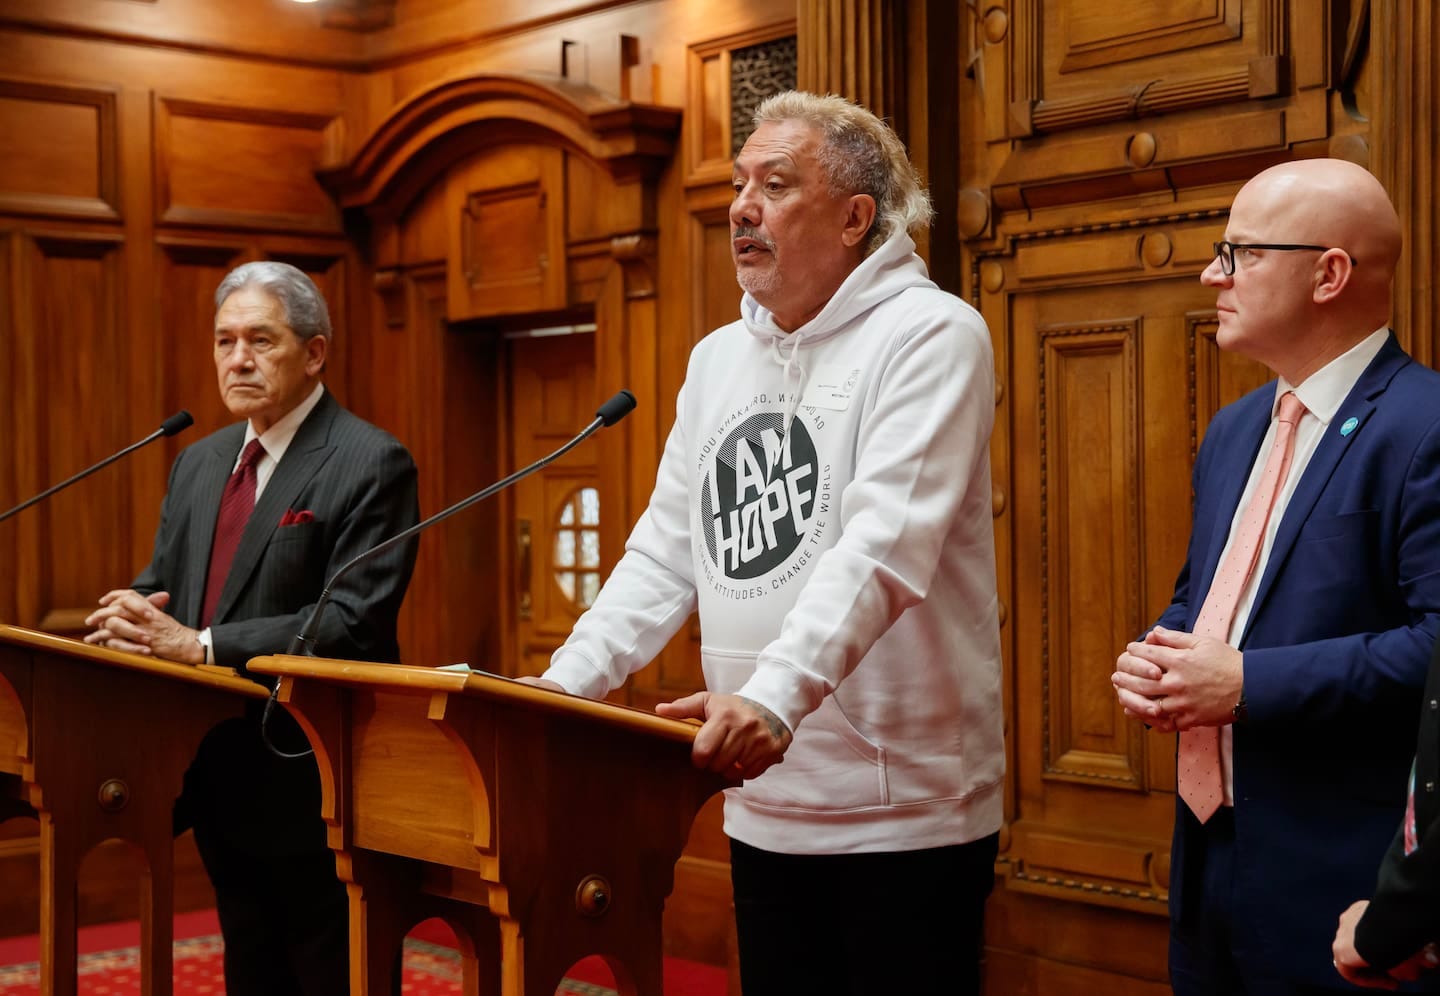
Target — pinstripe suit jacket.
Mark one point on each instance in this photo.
(360, 484)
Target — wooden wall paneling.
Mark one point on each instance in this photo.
(708, 137)
(266, 178)
(70, 375)
(854, 48)
(273, 33)
(1406, 143)
(190, 270)
(506, 213)
(452, 383)
(1206, 52)
(1075, 137)
(626, 317)
(1099, 330)
(439, 391)
(1037, 947)
(1089, 446)
(61, 150)
(11, 410)
(330, 268)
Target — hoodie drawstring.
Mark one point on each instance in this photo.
(792, 398)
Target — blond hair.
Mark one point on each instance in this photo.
(860, 154)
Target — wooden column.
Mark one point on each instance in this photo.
(852, 48)
(856, 48)
(1406, 146)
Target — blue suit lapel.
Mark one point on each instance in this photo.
(1359, 405)
(1231, 487)
(307, 452)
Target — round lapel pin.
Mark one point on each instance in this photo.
(1349, 426)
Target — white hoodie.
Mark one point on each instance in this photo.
(844, 570)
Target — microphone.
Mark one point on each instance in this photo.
(175, 423)
(303, 644)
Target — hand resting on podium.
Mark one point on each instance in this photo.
(139, 624)
(737, 736)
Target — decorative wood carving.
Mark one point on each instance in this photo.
(635, 252)
(1094, 36)
(1406, 37)
(1089, 544)
(1150, 29)
(448, 122)
(854, 48)
(708, 139)
(987, 273)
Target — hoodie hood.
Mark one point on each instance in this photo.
(886, 272)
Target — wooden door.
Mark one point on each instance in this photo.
(554, 567)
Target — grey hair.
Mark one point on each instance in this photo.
(303, 304)
(860, 155)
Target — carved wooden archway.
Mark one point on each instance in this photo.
(620, 149)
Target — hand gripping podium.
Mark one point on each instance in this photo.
(541, 827)
(94, 743)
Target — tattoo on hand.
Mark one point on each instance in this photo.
(778, 730)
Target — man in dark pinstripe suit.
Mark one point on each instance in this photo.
(326, 486)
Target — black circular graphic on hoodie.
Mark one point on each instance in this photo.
(757, 499)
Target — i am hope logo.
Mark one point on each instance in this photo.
(756, 502)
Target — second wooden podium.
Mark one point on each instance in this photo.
(542, 828)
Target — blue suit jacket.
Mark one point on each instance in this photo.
(1336, 653)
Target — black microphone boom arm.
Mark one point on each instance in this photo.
(175, 423)
(612, 411)
(303, 644)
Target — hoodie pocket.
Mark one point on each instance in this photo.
(830, 765)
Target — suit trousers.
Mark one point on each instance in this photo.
(1211, 954)
(892, 922)
(285, 919)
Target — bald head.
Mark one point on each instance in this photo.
(1329, 202)
(1312, 251)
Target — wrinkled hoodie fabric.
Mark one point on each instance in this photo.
(824, 497)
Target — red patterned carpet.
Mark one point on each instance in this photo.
(110, 965)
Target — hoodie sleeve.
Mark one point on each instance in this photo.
(648, 596)
(922, 451)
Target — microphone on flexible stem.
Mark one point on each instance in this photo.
(175, 423)
(303, 643)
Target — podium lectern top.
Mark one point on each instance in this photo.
(17, 636)
(410, 678)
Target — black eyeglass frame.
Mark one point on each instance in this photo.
(1225, 251)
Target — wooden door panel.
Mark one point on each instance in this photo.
(552, 385)
(1111, 386)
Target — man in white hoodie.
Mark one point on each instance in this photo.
(824, 500)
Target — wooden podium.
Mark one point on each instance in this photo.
(542, 828)
(94, 743)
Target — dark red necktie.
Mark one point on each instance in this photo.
(236, 504)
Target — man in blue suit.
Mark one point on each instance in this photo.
(1292, 656)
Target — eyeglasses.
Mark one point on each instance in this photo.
(1226, 252)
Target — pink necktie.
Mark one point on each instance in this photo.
(1201, 784)
(236, 504)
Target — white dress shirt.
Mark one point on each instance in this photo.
(273, 444)
(277, 439)
(1321, 393)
